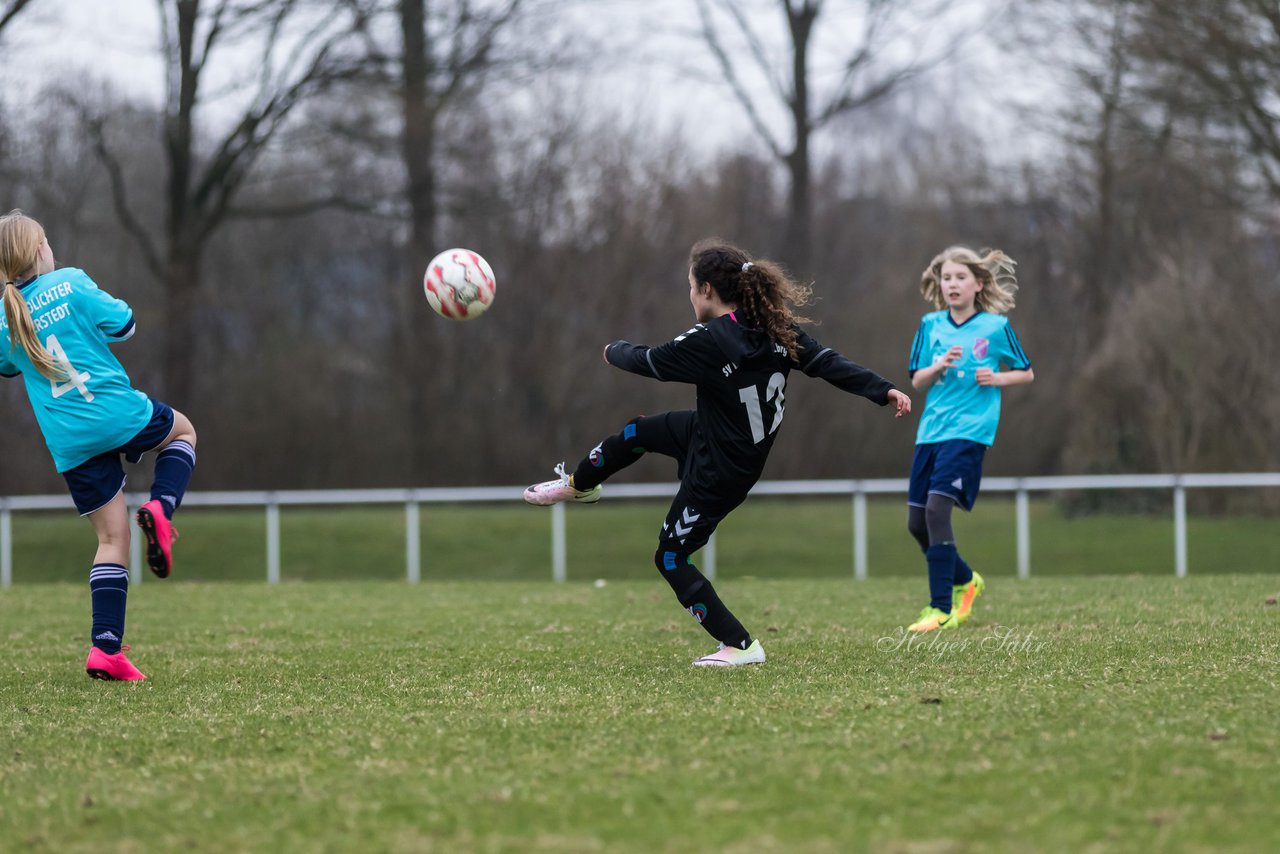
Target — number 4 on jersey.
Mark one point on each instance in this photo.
(773, 392)
(75, 379)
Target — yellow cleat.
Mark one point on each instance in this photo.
(932, 619)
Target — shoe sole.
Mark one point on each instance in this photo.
(532, 498)
(99, 673)
(155, 554)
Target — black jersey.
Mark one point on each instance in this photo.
(741, 376)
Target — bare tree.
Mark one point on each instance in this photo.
(868, 72)
(1219, 65)
(288, 51)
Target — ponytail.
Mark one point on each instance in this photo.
(20, 240)
(762, 290)
(22, 333)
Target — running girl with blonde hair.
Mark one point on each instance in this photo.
(957, 357)
(56, 332)
(738, 356)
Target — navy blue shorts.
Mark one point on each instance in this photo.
(96, 481)
(952, 468)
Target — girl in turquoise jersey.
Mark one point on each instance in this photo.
(55, 334)
(957, 357)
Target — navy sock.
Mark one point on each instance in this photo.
(963, 573)
(173, 472)
(942, 571)
(109, 589)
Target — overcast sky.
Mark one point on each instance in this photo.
(663, 72)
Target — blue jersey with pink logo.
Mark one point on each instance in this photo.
(956, 406)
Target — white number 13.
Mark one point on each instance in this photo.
(75, 379)
(773, 392)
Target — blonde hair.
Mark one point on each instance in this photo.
(20, 239)
(991, 267)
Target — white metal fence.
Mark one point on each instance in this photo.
(857, 490)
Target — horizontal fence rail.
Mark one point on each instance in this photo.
(857, 490)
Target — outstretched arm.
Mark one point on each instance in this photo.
(843, 373)
(685, 359)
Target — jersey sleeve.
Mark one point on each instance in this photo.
(919, 350)
(826, 364)
(686, 359)
(7, 368)
(113, 317)
(1011, 352)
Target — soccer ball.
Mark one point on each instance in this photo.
(459, 284)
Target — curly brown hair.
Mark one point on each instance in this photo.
(761, 289)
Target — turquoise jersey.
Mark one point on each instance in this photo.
(956, 406)
(96, 409)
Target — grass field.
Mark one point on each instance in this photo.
(1090, 713)
(765, 538)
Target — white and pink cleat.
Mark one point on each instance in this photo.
(729, 656)
(556, 491)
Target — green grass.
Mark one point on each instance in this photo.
(767, 538)
(1116, 713)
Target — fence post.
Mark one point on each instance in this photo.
(557, 543)
(1023, 512)
(859, 532)
(709, 558)
(273, 538)
(6, 545)
(412, 544)
(1179, 528)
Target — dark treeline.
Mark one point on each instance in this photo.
(290, 287)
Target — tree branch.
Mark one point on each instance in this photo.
(735, 84)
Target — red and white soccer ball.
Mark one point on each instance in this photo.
(459, 284)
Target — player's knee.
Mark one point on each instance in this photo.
(668, 561)
(916, 525)
(629, 431)
(183, 430)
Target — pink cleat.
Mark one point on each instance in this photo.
(561, 489)
(160, 535)
(116, 667)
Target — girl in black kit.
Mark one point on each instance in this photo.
(738, 355)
